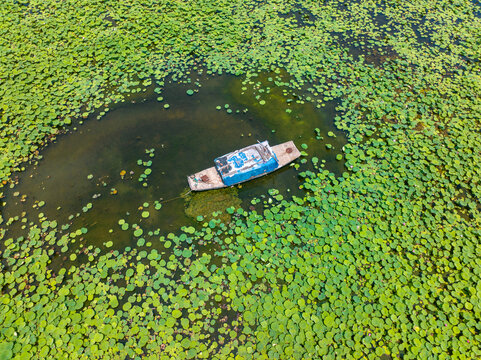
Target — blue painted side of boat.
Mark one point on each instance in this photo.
(241, 176)
(247, 163)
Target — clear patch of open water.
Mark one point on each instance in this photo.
(82, 169)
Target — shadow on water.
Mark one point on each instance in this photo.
(90, 177)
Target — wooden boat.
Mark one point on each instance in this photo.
(243, 165)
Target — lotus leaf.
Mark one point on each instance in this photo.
(376, 255)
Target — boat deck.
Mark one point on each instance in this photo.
(210, 179)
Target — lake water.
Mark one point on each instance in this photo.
(82, 169)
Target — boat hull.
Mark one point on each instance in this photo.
(209, 179)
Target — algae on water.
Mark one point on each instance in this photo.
(205, 203)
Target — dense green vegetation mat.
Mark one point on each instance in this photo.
(385, 260)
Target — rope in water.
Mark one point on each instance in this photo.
(177, 197)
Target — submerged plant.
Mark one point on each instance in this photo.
(207, 203)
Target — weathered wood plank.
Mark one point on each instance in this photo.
(205, 180)
(286, 153)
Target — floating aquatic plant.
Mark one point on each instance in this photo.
(379, 262)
